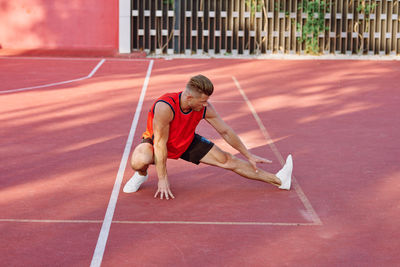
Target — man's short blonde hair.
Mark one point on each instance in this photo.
(200, 84)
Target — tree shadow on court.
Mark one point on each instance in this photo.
(61, 149)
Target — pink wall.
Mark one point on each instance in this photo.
(59, 24)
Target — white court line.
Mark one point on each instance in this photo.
(78, 58)
(264, 131)
(105, 228)
(58, 83)
(214, 223)
(162, 222)
(96, 68)
(50, 221)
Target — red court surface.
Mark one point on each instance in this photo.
(64, 139)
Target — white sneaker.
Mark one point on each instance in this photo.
(285, 174)
(135, 182)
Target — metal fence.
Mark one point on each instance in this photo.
(258, 27)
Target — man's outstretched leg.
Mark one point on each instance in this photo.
(142, 157)
(220, 158)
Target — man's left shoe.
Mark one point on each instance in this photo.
(135, 182)
(285, 174)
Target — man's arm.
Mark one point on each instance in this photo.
(163, 115)
(230, 136)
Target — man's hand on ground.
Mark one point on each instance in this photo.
(163, 189)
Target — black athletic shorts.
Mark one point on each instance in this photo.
(196, 150)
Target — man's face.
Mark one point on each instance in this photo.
(198, 101)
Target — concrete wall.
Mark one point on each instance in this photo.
(59, 24)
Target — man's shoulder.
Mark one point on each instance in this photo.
(166, 104)
(167, 95)
(172, 98)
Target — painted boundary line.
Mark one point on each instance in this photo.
(78, 58)
(264, 131)
(105, 228)
(58, 83)
(240, 57)
(282, 57)
(215, 223)
(162, 222)
(49, 221)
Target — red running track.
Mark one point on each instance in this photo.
(61, 147)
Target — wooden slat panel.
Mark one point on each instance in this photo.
(262, 26)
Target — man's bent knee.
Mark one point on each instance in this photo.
(138, 165)
(142, 157)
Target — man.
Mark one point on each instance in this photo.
(170, 133)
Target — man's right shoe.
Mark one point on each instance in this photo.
(285, 174)
(135, 182)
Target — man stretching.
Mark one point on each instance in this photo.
(170, 133)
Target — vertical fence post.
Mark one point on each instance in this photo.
(177, 11)
(124, 44)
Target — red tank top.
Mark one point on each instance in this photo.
(181, 128)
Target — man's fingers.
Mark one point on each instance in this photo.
(264, 161)
(254, 166)
(164, 193)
